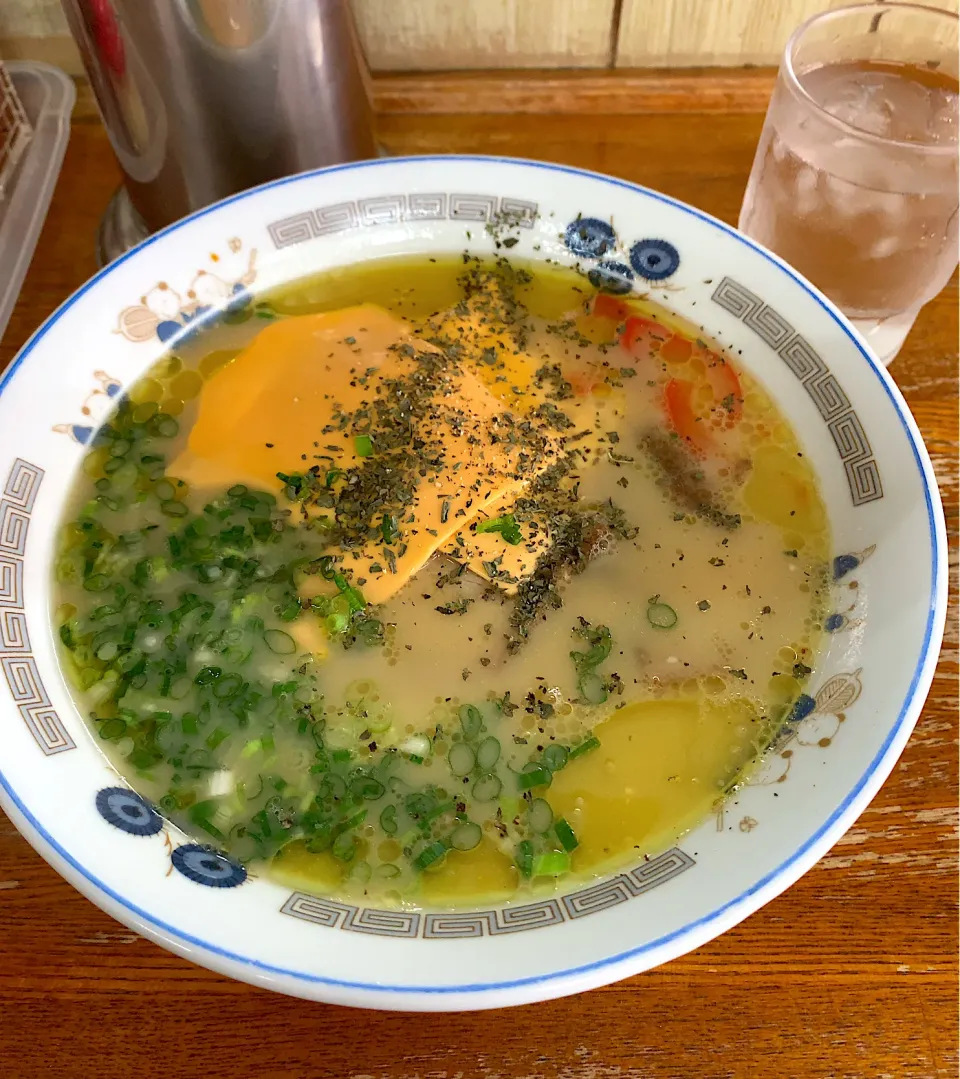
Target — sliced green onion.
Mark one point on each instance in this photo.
(524, 858)
(88, 677)
(217, 736)
(506, 526)
(488, 753)
(108, 651)
(353, 596)
(112, 729)
(461, 759)
(438, 811)
(430, 854)
(533, 775)
(201, 812)
(566, 835)
(165, 426)
(227, 687)
(331, 786)
(367, 787)
(470, 720)
(388, 820)
(280, 643)
(539, 816)
(466, 836)
(363, 444)
(362, 872)
(661, 616)
(584, 747)
(124, 478)
(592, 689)
(487, 788)
(552, 864)
(555, 757)
(344, 847)
(207, 675)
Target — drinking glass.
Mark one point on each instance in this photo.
(855, 178)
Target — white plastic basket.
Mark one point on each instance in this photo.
(35, 105)
(15, 130)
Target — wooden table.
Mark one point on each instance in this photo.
(850, 973)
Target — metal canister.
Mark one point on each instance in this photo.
(203, 98)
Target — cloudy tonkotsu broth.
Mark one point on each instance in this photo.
(441, 581)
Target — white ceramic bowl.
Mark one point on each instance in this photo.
(840, 745)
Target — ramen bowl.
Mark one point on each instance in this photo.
(839, 743)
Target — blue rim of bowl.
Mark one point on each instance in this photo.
(180, 938)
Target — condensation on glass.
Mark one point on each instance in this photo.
(855, 178)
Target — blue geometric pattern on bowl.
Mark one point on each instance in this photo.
(615, 277)
(126, 810)
(206, 865)
(590, 237)
(654, 260)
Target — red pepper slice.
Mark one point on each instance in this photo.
(583, 380)
(676, 349)
(725, 384)
(678, 400)
(607, 306)
(641, 336)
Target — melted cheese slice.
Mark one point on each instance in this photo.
(265, 411)
(509, 373)
(279, 406)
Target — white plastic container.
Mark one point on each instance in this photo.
(47, 96)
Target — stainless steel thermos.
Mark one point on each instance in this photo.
(203, 98)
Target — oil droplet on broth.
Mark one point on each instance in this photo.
(484, 874)
(654, 775)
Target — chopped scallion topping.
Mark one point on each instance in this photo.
(565, 834)
(661, 615)
(507, 527)
(552, 864)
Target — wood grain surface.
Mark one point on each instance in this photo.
(851, 973)
(437, 35)
(427, 35)
(573, 92)
(702, 32)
